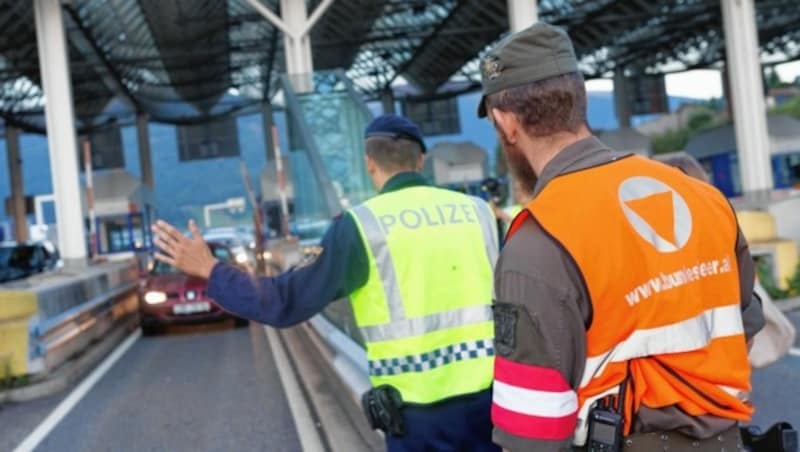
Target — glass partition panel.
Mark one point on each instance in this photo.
(326, 122)
(326, 119)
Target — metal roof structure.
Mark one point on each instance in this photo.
(186, 61)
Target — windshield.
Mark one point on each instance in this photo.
(161, 268)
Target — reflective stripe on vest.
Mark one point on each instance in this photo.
(489, 228)
(687, 335)
(656, 251)
(425, 309)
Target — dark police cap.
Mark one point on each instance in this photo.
(394, 126)
(539, 52)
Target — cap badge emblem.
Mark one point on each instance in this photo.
(491, 67)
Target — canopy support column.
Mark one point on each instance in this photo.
(296, 25)
(622, 103)
(145, 157)
(387, 102)
(522, 14)
(17, 186)
(267, 122)
(747, 94)
(61, 139)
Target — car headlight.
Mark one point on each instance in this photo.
(155, 297)
(241, 258)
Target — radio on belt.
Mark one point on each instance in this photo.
(605, 431)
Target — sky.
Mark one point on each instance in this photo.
(699, 84)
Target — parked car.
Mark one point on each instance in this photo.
(21, 260)
(167, 297)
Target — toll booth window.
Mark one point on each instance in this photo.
(122, 233)
(436, 117)
(116, 234)
(138, 232)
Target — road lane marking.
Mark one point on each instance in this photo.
(794, 351)
(304, 423)
(62, 410)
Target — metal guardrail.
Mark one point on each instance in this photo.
(349, 357)
(62, 336)
(45, 328)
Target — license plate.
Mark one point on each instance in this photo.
(191, 308)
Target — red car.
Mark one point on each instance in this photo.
(168, 297)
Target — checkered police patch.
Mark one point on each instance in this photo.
(430, 360)
(505, 327)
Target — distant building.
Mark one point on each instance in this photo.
(779, 96)
(456, 163)
(678, 119)
(626, 140)
(716, 150)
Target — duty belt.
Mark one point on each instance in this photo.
(729, 440)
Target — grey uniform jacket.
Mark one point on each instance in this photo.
(538, 282)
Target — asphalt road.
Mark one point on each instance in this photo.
(197, 389)
(776, 389)
(217, 389)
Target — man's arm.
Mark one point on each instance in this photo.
(752, 312)
(540, 340)
(298, 295)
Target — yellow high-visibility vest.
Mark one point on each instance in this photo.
(425, 310)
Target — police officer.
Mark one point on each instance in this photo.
(416, 262)
(624, 291)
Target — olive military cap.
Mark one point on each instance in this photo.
(539, 52)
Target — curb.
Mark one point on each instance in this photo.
(342, 421)
(789, 304)
(73, 370)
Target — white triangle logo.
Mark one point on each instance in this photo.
(656, 212)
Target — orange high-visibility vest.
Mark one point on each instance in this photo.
(656, 250)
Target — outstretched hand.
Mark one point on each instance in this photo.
(189, 255)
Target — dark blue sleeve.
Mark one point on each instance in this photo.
(295, 296)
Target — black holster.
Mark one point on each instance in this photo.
(383, 407)
(781, 437)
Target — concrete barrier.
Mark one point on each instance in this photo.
(47, 319)
(761, 231)
(16, 309)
